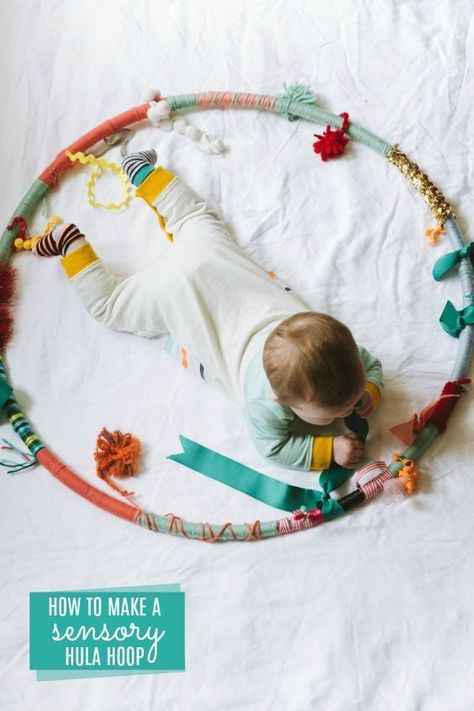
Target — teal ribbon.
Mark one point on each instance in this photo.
(5, 392)
(448, 261)
(264, 488)
(260, 486)
(453, 321)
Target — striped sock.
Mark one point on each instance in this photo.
(59, 241)
(139, 165)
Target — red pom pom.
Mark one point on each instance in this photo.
(332, 143)
(7, 283)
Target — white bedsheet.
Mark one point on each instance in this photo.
(374, 610)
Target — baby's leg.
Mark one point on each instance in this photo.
(122, 303)
(179, 210)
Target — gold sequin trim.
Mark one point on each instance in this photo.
(439, 206)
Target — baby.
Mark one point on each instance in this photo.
(288, 366)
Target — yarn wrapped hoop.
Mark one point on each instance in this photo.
(295, 103)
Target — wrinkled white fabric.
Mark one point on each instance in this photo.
(373, 610)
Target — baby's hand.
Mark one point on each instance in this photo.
(366, 405)
(347, 450)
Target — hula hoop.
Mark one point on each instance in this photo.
(296, 102)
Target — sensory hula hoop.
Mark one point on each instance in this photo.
(296, 102)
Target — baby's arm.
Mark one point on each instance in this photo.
(269, 428)
(374, 384)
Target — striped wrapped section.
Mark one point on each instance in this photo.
(289, 525)
(370, 484)
(17, 419)
(230, 98)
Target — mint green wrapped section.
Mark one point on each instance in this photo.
(207, 531)
(421, 443)
(419, 447)
(292, 110)
(314, 113)
(184, 101)
(26, 208)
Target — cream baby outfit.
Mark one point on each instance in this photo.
(218, 305)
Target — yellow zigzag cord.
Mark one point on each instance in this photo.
(102, 166)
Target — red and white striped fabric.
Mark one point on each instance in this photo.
(371, 483)
(287, 525)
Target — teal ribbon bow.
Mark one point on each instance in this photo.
(448, 261)
(264, 488)
(453, 321)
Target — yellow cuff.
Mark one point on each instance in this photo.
(154, 184)
(151, 188)
(79, 259)
(322, 453)
(374, 392)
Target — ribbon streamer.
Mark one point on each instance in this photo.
(264, 488)
(253, 483)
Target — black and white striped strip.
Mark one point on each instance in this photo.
(52, 246)
(133, 163)
(69, 235)
(46, 246)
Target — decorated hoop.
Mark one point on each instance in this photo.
(296, 102)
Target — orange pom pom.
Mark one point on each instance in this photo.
(116, 455)
(409, 475)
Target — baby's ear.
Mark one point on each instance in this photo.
(274, 397)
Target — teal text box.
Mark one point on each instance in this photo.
(128, 631)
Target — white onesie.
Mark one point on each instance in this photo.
(218, 307)
(217, 304)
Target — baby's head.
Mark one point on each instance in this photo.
(314, 367)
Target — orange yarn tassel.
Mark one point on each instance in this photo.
(432, 234)
(116, 455)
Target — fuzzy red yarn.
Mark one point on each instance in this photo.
(7, 283)
(6, 327)
(7, 289)
(448, 400)
(332, 143)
